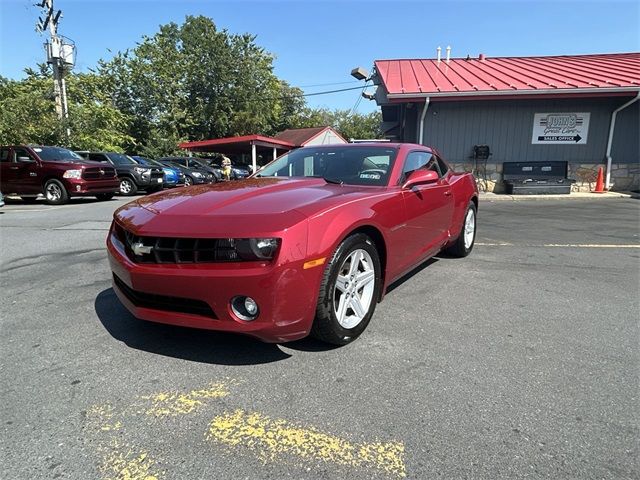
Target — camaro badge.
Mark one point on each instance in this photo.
(141, 249)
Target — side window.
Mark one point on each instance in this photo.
(4, 155)
(418, 160)
(22, 153)
(443, 167)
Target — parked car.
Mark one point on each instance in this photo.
(1, 200)
(309, 244)
(238, 172)
(133, 177)
(196, 164)
(173, 177)
(191, 176)
(55, 172)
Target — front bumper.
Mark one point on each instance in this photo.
(80, 187)
(286, 294)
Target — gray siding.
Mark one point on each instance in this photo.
(506, 126)
(626, 144)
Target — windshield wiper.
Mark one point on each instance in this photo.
(330, 180)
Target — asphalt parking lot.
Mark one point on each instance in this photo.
(520, 361)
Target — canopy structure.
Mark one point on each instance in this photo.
(239, 145)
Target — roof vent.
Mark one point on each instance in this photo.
(481, 56)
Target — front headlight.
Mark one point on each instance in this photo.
(142, 171)
(77, 174)
(247, 249)
(197, 174)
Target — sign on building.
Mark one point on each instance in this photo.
(560, 128)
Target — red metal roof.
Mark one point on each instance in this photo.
(299, 136)
(235, 144)
(510, 75)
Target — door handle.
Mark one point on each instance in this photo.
(447, 193)
(14, 168)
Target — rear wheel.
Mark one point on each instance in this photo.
(55, 193)
(467, 237)
(188, 181)
(104, 196)
(349, 291)
(127, 186)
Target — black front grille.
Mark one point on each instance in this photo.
(178, 250)
(156, 173)
(98, 173)
(162, 302)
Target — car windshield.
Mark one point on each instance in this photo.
(361, 165)
(51, 154)
(148, 161)
(120, 159)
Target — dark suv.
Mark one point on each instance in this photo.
(56, 172)
(132, 175)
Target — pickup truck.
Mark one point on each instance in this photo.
(55, 172)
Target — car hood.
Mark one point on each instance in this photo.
(226, 208)
(72, 162)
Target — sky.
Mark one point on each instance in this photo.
(317, 43)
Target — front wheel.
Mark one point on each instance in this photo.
(55, 193)
(188, 181)
(127, 186)
(467, 237)
(349, 291)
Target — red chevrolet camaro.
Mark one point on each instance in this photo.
(308, 244)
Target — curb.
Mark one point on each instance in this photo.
(499, 197)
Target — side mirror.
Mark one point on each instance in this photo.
(420, 176)
(25, 160)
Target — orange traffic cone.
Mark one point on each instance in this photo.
(599, 182)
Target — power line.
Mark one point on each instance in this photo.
(327, 84)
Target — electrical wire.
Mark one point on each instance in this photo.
(327, 84)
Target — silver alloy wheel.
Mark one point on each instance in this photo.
(188, 182)
(125, 186)
(469, 228)
(353, 291)
(53, 192)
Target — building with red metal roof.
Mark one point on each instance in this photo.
(580, 109)
(301, 137)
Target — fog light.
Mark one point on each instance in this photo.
(78, 188)
(245, 308)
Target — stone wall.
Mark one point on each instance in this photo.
(624, 176)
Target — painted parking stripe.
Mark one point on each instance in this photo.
(560, 245)
(277, 439)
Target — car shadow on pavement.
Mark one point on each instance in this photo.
(203, 346)
(411, 274)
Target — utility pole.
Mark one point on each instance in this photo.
(60, 55)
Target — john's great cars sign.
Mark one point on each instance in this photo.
(560, 128)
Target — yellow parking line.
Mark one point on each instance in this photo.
(165, 404)
(271, 439)
(561, 245)
(125, 463)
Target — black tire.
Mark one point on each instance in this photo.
(459, 248)
(55, 193)
(326, 326)
(29, 199)
(128, 187)
(104, 196)
(188, 181)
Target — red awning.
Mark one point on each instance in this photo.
(236, 144)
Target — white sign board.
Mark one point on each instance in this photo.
(560, 128)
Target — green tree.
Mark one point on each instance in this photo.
(193, 81)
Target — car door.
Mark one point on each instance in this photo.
(428, 207)
(6, 172)
(25, 172)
